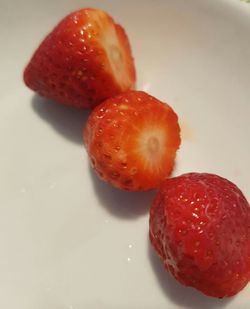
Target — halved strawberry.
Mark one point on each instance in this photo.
(132, 140)
(83, 61)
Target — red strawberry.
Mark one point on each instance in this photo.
(132, 140)
(84, 60)
(200, 228)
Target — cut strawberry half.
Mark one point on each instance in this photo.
(86, 59)
(132, 140)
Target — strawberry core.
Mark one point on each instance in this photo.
(153, 145)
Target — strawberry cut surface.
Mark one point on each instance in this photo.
(132, 140)
(200, 228)
(84, 60)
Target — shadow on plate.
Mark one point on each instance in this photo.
(185, 297)
(67, 121)
(122, 204)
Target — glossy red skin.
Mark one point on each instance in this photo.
(200, 228)
(111, 131)
(71, 68)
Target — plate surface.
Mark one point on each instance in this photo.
(69, 241)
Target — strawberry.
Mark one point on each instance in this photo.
(84, 60)
(132, 140)
(200, 228)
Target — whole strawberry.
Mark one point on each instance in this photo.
(84, 60)
(132, 140)
(200, 228)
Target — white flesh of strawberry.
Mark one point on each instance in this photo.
(114, 50)
(152, 147)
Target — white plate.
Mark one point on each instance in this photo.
(69, 241)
